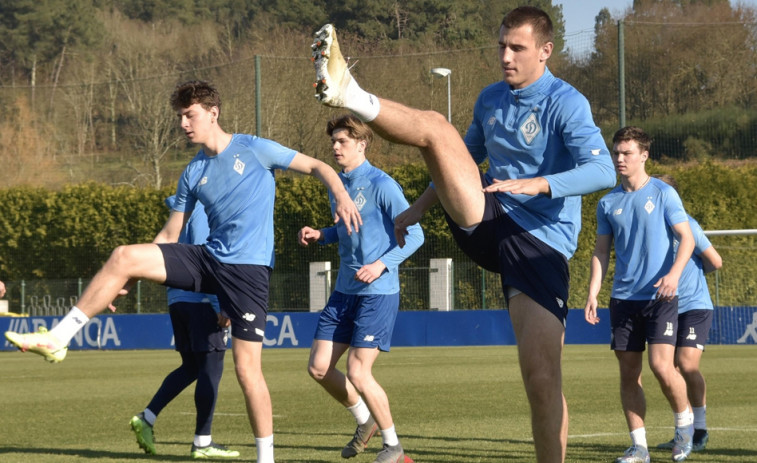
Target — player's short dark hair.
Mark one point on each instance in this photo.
(538, 19)
(193, 92)
(667, 178)
(356, 129)
(632, 133)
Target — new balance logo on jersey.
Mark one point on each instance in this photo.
(692, 336)
(668, 329)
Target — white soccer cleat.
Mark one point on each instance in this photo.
(41, 342)
(331, 72)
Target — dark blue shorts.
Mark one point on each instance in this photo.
(694, 328)
(359, 320)
(242, 289)
(195, 327)
(524, 262)
(635, 323)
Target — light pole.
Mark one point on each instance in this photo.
(444, 72)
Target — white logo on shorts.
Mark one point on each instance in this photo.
(692, 334)
(249, 317)
(369, 338)
(668, 329)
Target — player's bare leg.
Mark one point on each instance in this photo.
(248, 368)
(455, 174)
(540, 337)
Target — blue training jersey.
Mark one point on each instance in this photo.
(195, 232)
(379, 199)
(237, 188)
(640, 223)
(693, 293)
(543, 130)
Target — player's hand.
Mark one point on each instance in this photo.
(519, 186)
(369, 273)
(406, 218)
(2, 289)
(223, 322)
(667, 287)
(347, 212)
(308, 235)
(590, 311)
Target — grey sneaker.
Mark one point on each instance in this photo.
(213, 451)
(363, 434)
(634, 454)
(143, 430)
(683, 443)
(331, 72)
(391, 454)
(701, 436)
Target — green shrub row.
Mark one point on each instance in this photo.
(68, 234)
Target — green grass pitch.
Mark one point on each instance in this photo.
(450, 404)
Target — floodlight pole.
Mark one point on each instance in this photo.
(444, 72)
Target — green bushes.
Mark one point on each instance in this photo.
(68, 234)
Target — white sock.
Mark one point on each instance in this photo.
(71, 324)
(202, 441)
(639, 437)
(150, 417)
(264, 446)
(360, 411)
(684, 419)
(390, 436)
(700, 417)
(365, 105)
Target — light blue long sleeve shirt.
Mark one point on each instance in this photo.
(543, 130)
(379, 198)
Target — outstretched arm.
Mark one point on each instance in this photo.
(345, 208)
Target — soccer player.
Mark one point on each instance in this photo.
(232, 175)
(200, 336)
(521, 218)
(361, 311)
(643, 216)
(695, 313)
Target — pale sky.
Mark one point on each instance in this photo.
(579, 14)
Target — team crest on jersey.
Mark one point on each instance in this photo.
(492, 120)
(531, 128)
(238, 165)
(360, 201)
(618, 211)
(203, 181)
(649, 206)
